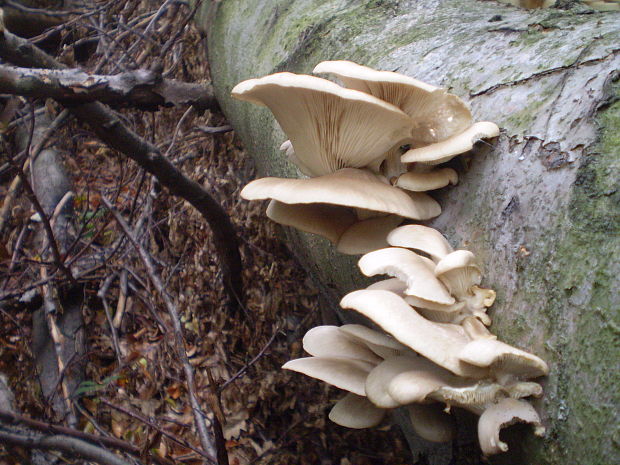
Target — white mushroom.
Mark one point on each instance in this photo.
(367, 235)
(505, 413)
(440, 343)
(422, 181)
(343, 373)
(505, 361)
(329, 205)
(380, 343)
(380, 378)
(329, 127)
(422, 238)
(410, 268)
(445, 150)
(430, 422)
(330, 341)
(436, 114)
(353, 411)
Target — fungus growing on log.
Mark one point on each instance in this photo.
(434, 351)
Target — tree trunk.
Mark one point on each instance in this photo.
(540, 209)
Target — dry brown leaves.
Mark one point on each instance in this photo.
(270, 416)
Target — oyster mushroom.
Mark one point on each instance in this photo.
(349, 375)
(330, 341)
(380, 343)
(410, 268)
(422, 238)
(329, 127)
(430, 422)
(438, 342)
(422, 181)
(505, 413)
(353, 411)
(436, 114)
(442, 125)
(457, 144)
(332, 204)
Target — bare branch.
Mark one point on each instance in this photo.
(70, 446)
(141, 88)
(14, 418)
(111, 130)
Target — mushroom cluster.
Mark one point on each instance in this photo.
(370, 151)
(437, 353)
(350, 143)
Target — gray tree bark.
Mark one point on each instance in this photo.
(541, 209)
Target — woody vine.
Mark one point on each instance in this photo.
(371, 150)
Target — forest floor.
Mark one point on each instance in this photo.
(269, 415)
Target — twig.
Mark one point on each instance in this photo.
(122, 300)
(214, 130)
(110, 129)
(72, 447)
(187, 113)
(206, 442)
(252, 362)
(102, 294)
(157, 428)
(144, 89)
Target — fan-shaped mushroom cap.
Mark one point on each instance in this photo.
(394, 285)
(505, 413)
(432, 311)
(381, 344)
(436, 114)
(329, 341)
(329, 221)
(422, 181)
(380, 378)
(459, 272)
(343, 373)
(440, 343)
(408, 267)
(416, 384)
(503, 359)
(445, 150)
(329, 127)
(430, 422)
(422, 238)
(353, 411)
(347, 187)
(367, 235)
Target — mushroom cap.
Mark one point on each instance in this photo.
(445, 150)
(505, 413)
(422, 238)
(436, 114)
(503, 359)
(329, 127)
(347, 187)
(329, 221)
(440, 343)
(329, 341)
(353, 411)
(379, 380)
(367, 235)
(380, 343)
(459, 272)
(422, 181)
(343, 373)
(408, 267)
(430, 422)
(415, 385)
